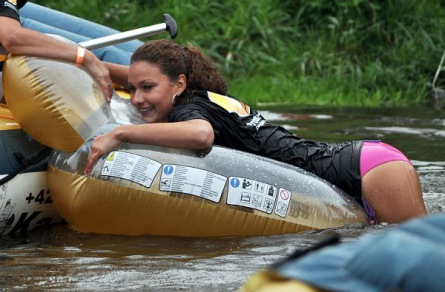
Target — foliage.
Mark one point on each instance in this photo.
(361, 52)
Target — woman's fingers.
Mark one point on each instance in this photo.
(101, 145)
(90, 163)
(93, 157)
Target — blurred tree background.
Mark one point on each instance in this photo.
(349, 52)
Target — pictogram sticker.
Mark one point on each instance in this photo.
(251, 194)
(283, 202)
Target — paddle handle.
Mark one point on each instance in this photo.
(168, 25)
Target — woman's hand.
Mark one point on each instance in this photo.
(101, 145)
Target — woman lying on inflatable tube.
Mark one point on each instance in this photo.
(142, 189)
(172, 99)
(182, 98)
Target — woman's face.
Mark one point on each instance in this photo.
(152, 91)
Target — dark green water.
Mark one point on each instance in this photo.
(62, 260)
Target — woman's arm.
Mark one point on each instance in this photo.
(194, 134)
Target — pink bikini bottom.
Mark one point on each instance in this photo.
(375, 153)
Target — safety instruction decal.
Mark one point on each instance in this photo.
(258, 195)
(252, 194)
(193, 181)
(132, 167)
(283, 202)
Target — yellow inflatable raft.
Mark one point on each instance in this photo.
(142, 189)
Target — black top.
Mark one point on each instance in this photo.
(11, 8)
(238, 126)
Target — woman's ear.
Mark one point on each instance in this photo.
(181, 84)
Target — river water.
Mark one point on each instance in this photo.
(58, 258)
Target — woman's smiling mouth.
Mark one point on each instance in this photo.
(145, 110)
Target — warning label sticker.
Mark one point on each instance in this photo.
(193, 181)
(132, 167)
(252, 194)
(283, 202)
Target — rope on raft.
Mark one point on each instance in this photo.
(25, 162)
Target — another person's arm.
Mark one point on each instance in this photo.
(118, 73)
(20, 41)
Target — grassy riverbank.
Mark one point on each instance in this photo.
(352, 52)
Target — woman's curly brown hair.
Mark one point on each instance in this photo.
(173, 60)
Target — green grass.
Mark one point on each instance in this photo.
(350, 52)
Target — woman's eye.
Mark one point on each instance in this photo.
(147, 86)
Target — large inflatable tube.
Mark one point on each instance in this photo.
(154, 190)
(141, 189)
(58, 104)
(25, 200)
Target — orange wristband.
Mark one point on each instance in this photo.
(80, 55)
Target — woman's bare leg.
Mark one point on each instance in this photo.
(393, 190)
